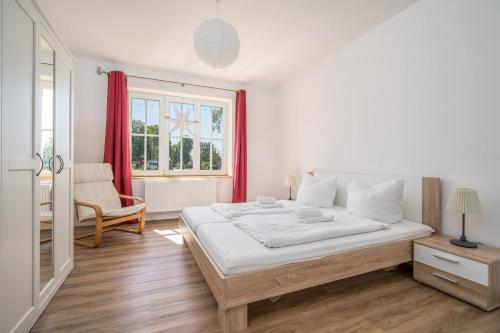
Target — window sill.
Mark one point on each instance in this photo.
(194, 177)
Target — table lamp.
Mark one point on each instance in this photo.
(466, 202)
(290, 181)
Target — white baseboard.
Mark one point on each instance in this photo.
(162, 216)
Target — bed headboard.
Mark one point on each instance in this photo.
(422, 195)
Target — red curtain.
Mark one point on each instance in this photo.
(116, 147)
(240, 149)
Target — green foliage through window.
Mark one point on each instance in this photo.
(47, 153)
(145, 126)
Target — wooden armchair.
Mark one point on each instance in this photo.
(96, 199)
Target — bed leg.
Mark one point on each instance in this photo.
(233, 319)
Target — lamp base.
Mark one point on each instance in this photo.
(463, 243)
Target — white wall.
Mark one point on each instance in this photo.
(263, 135)
(417, 95)
(264, 149)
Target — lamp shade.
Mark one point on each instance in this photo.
(464, 201)
(290, 181)
(216, 43)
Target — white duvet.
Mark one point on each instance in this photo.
(282, 230)
(234, 251)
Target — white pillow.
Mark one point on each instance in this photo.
(381, 202)
(317, 193)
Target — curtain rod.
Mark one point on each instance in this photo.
(100, 72)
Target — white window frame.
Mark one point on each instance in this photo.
(164, 135)
(155, 97)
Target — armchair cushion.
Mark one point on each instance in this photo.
(94, 184)
(101, 193)
(124, 211)
(46, 216)
(93, 172)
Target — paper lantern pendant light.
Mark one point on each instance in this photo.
(216, 43)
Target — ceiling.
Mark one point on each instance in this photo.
(278, 37)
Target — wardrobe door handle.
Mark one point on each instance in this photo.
(61, 164)
(41, 166)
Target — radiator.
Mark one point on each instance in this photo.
(173, 195)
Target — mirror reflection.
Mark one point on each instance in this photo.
(46, 176)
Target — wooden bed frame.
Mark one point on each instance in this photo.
(234, 292)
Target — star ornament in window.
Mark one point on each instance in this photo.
(182, 123)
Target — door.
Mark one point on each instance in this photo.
(20, 163)
(63, 167)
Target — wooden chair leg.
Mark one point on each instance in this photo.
(233, 319)
(142, 221)
(98, 232)
(99, 229)
(90, 244)
(97, 235)
(140, 228)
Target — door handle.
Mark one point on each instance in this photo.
(437, 255)
(41, 166)
(444, 277)
(61, 164)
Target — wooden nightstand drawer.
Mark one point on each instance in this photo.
(459, 266)
(470, 274)
(457, 286)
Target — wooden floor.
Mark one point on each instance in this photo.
(150, 283)
(46, 258)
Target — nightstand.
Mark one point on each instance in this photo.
(472, 275)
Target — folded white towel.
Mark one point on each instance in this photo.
(307, 213)
(326, 218)
(266, 200)
(273, 205)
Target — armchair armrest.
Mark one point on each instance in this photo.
(141, 200)
(96, 208)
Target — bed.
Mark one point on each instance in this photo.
(240, 271)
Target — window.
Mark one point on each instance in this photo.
(145, 129)
(211, 138)
(177, 136)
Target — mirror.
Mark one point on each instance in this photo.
(46, 150)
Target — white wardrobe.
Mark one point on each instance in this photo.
(36, 161)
